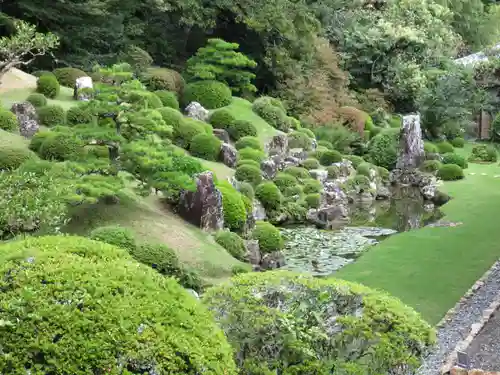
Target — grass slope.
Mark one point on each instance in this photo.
(64, 99)
(431, 268)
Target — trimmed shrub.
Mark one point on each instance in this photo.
(430, 148)
(8, 121)
(269, 195)
(205, 146)
(313, 200)
(269, 237)
(221, 119)
(232, 243)
(93, 286)
(168, 99)
(39, 73)
(403, 337)
(51, 115)
(273, 113)
(483, 153)
(299, 139)
(246, 189)
(163, 79)
(293, 191)
(285, 180)
(171, 117)
(307, 132)
(297, 172)
(235, 214)
(79, 115)
(452, 158)
(252, 154)
(250, 142)
(61, 147)
(325, 144)
(184, 134)
(251, 162)
(210, 94)
(310, 164)
(248, 173)
(115, 235)
(334, 171)
(67, 76)
(383, 173)
(431, 166)
(38, 138)
(444, 147)
(382, 149)
(312, 186)
(450, 172)
(37, 99)
(364, 169)
(458, 142)
(242, 128)
(48, 86)
(329, 157)
(354, 159)
(141, 99)
(12, 157)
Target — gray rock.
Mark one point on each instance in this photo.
(269, 169)
(344, 169)
(433, 156)
(194, 293)
(319, 174)
(411, 147)
(298, 153)
(272, 261)
(328, 217)
(195, 110)
(291, 161)
(253, 255)
(383, 192)
(80, 92)
(228, 155)
(26, 116)
(222, 135)
(278, 145)
(258, 212)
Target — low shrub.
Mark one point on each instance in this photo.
(235, 214)
(269, 237)
(325, 144)
(155, 79)
(205, 146)
(246, 189)
(184, 134)
(297, 172)
(458, 142)
(67, 76)
(313, 200)
(307, 132)
(354, 159)
(444, 147)
(233, 243)
(171, 117)
(37, 99)
(269, 195)
(8, 121)
(51, 115)
(452, 158)
(293, 191)
(310, 164)
(383, 173)
(115, 235)
(364, 169)
(382, 149)
(274, 114)
(12, 157)
(248, 173)
(251, 154)
(242, 128)
(375, 130)
(329, 157)
(210, 94)
(79, 115)
(312, 186)
(251, 142)
(431, 166)
(298, 139)
(284, 181)
(48, 86)
(61, 147)
(334, 172)
(485, 153)
(450, 172)
(168, 99)
(221, 119)
(430, 148)
(38, 138)
(141, 99)
(251, 162)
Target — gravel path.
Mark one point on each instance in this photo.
(457, 329)
(484, 350)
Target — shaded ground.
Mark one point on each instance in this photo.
(484, 351)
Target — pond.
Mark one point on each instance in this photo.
(322, 252)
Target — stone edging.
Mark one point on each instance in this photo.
(476, 327)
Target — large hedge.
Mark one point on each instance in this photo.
(168, 98)
(171, 116)
(51, 115)
(483, 153)
(184, 133)
(48, 86)
(450, 172)
(37, 99)
(115, 235)
(61, 147)
(248, 173)
(210, 94)
(269, 237)
(383, 149)
(235, 214)
(221, 119)
(163, 79)
(232, 243)
(205, 146)
(67, 76)
(8, 121)
(71, 305)
(271, 110)
(242, 128)
(251, 154)
(269, 195)
(453, 158)
(314, 325)
(79, 115)
(11, 157)
(251, 142)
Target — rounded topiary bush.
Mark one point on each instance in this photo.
(242, 128)
(246, 189)
(307, 132)
(184, 134)
(251, 162)
(205, 146)
(269, 237)
(210, 94)
(326, 144)
(294, 191)
(272, 112)
(354, 159)
(67, 76)
(163, 79)
(61, 147)
(431, 166)
(8, 121)
(483, 153)
(312, 200)
(232, 243)
(251, 154)
(221, 119)
(271, 306)
(141, 99)
(250, 142)
(312, 186)
(38, 139)
(430, 148)
(79, 115)
(168, 99)
(450, 172)
(458, 142)
(171, 116)
(310, 164)
(297, 172)
(98, 287)
(382, 149)
(329, 157)
(285, 180)
(235, 214)
(37, 99)
(48, 85)
(248, 173)
(299, 139)
(444, 147)
(365, 169)
(269, 195)
(12, 157)
(51, 115)
(452, 158)
(115, 235)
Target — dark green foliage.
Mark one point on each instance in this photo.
(269, 237)
(138, 58)
(248, 173)
(111, 288)
(48, 86)
(485, 153)
(269, 195)
(240, 268)
(232, 243)
(12, 157)
(364, 169)
(184, 133)
(374, 131)
(68, 76)
(205, 146)
(293, 191)
(430, 148)
(210, 94)
(299, 139)
(383, 173)
(251, 154)
(326, 144)
(450, 172)
(458, 142)
(251, 162)
(163, 79)
(452, 158)
(313, 200)
(8, 121)
(274, 114)
(51, 115)
(235, 215)
(340, 137)
(242, 128)
(38, 138)
(141, 99)
(354, 159)
(221, 119)
(115, 235)
(284, 181)
(297, 172)
(312, 186)
(171, 116)
(329, 157)
(79, 115)
(251, 142)
(307, 132)
(383, 149)
(246, 189)
(168, 98)
(61, 147)
(37, 99)
(431, 166)
(444, 147)
(310, 164)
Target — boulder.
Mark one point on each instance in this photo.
(222, 135)
(195, 110)
(258, 211)
(269, 168)
(298, 153)
(345, 168)
(329, 217)
(278, 145)
(203, 207)
(411, 144)
(319, 174)
(228, 155)
(26, 116)
(83, 89)
(333, 195)
(253, 255)
(272, 261)
(383, 192)
(290, 161)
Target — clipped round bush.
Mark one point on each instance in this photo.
(269, 237)
(383, 173)
(248, 173)
(37, 99)
(12, 157)
(297, 172)
(221, 119)
(269, 195)
(235, 214)
(98, 288)
(184, 134)
(299, 139)
(431, 166)
(67, 76)
(38, 138)
(251, 162)
(48, 86)
(171, 116)
(251, 154)
(483, 153)
(246, 189)
(51, 115)
(364, 169)
(242, 128)
(329, 157)
(293, 191)
(450, 172)
(205, 146)
(250, 142)
(8, 121)
(312, 186)
(210, 94)
(452, 158)
(382, 149)
(115, 235)
(430, 148)
(232, 243)
(354, 159)
(61, 147)
(39, 73)
(313, 200)
(168, 98)
(272, 113)
(386, 326)
(458, 142)
(141, 99)
(307, 132)
(79, 115)
(326, 144)
(310, 164)
(444, 147)
(163, 79)
(285, 180)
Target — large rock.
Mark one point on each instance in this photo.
(298, 153)
(195, 110)
(26, 116)
(278, 145)
(253, 255)
(341, 170)
(258, 211)
(329, 217)
(426, 183)
(272, 261)
(203, 207)
(222, 135)
(269, 169)
(319, 174)
(228, 155)
(83, 89)
(411, 145)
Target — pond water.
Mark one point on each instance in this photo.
(322, 252)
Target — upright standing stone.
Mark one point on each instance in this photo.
(228, 155)
(411, 150)
(197, 111)
(278, 145)
(26, 116)
(83, 89)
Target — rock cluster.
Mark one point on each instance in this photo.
(196, 111)
(26, 116)
(263, 262)
(83, 89)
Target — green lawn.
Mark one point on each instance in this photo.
(64, 99)
(431, 268)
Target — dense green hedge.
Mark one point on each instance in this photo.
(235, 214)
(251, 162)
(284, 180)
(486, 153)
(431, 166)
(269, 237)
(248, 173)
(210, 94)
(51, 115)
(251, 142)
(38, 138)
(329, 157)
(354, 159)
(163, 79)
(79, 115)
(246, 189)
(310, 163)
(48, 86)
(251, 154)
(205, 146)
(297, 172)
(88, 294)
(221, 119)
(430, 148)
(452, 158)
(37, 99)
(168, 98)
(8, 121)
(233, 243)
(313, 200)
(184, 134)
(325, 144)
(444, 147)
(269, 195)
(382, 149)
(171, 116)
(67, 76)
(312, 186)
(271, 110)
(458, 142)
(242, 128)
(61, 147)
(299, 139)
(115, 235)
(450, 172)
(11, 157)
